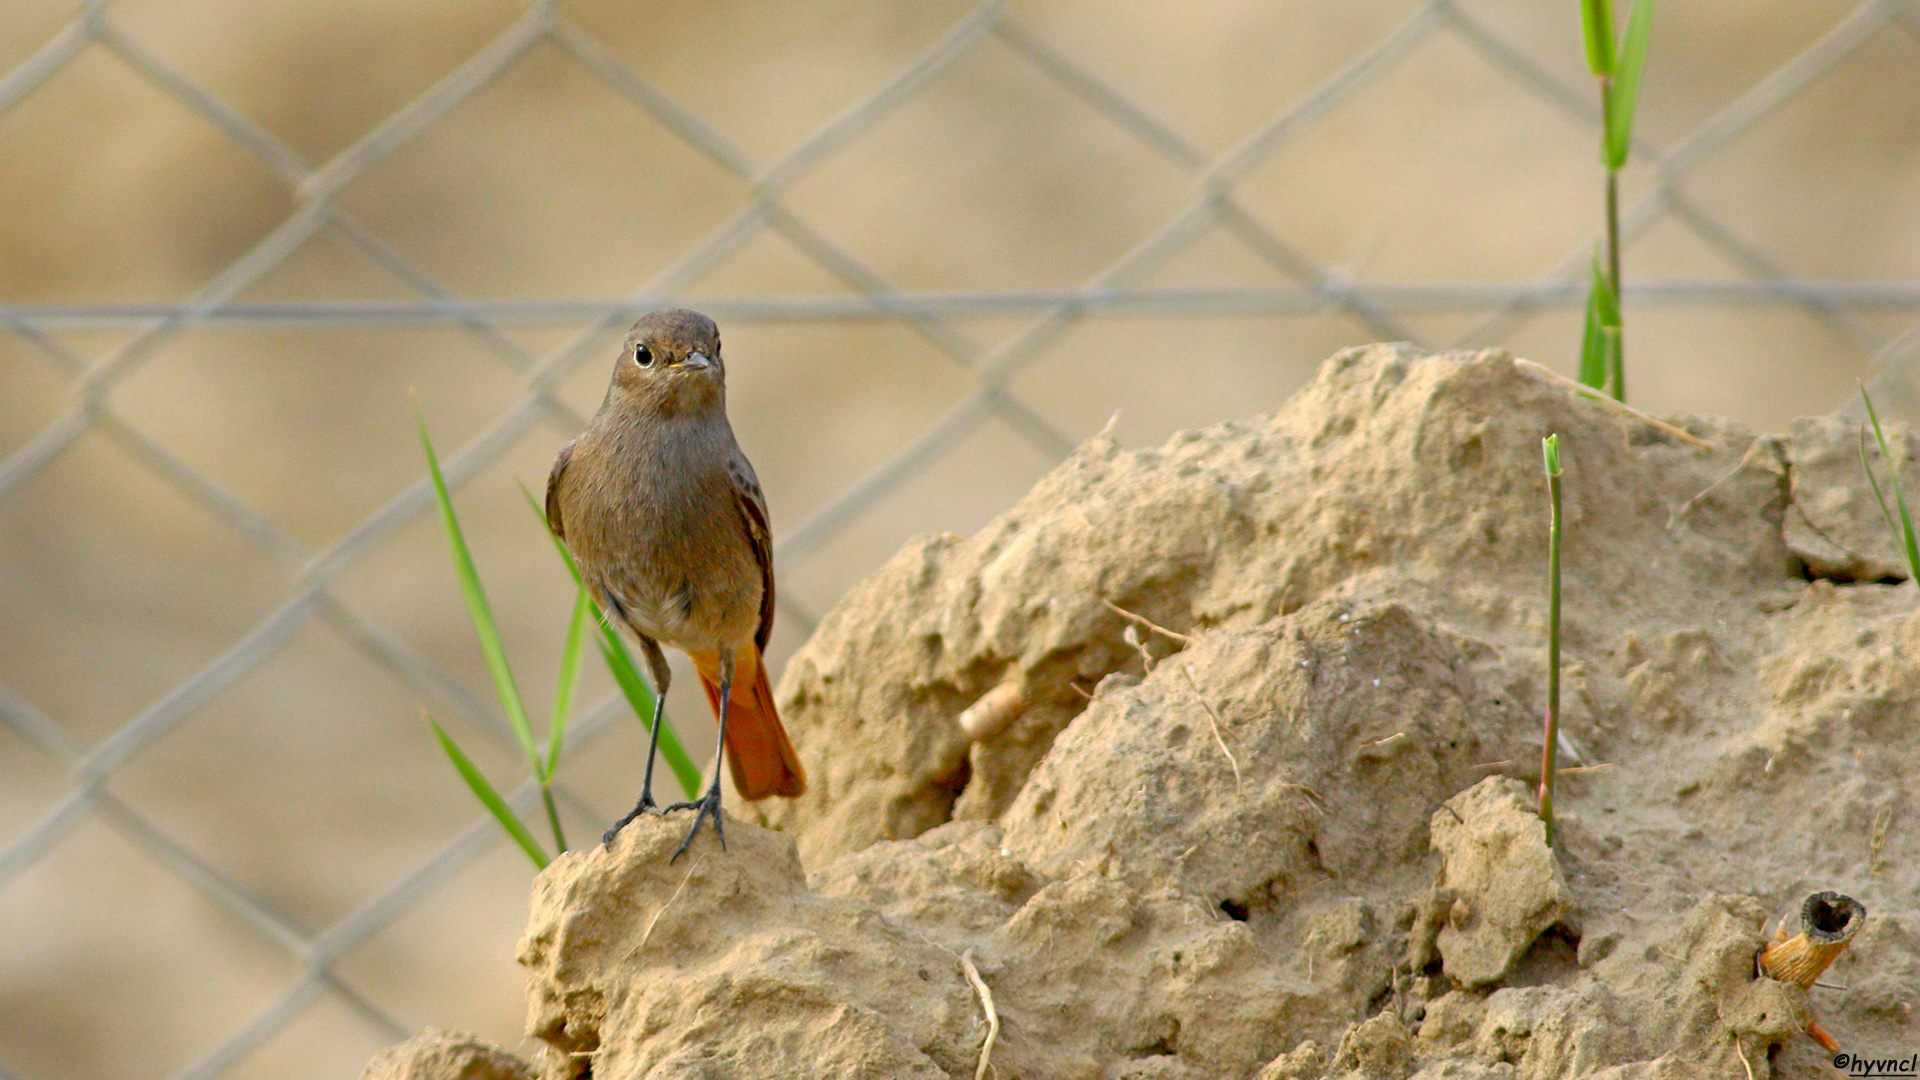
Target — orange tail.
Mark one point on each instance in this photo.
(759, 754)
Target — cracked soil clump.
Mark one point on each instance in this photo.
(1272, 817)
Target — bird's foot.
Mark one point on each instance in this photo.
(646, 805)
(708, 806)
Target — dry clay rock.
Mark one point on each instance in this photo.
(1205, 853)
(722, 964)
(1250, 766)
(732, 965)
(1141, 913)
(1109, 946)
(444, 1055)
(1098, 916)
(1505, 886)
(1397, 475)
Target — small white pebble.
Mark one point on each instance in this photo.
(1376, 682)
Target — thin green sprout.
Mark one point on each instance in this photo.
(1550, 450)
(1903, 532)
(486, 629)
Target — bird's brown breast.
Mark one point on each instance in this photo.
(653, 520)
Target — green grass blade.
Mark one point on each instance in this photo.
(1605, 301)
(491, 799)
(1593, 356)
(480, 612)
(1596, 17)
(1593, 344)
(1625, 89)
(562, 704)
(1614, 359)
(553, 818)
(563, 685)
(559, 545)
(627, 675)
(1612, 336)
(1903, 531)
(1866, 466)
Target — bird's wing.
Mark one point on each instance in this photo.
(553, 488)
(753, 513)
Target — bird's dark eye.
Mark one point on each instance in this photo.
(643, 356)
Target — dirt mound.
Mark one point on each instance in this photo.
(1201, 762)
(444, 1055)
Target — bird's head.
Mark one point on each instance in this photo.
(670, 364)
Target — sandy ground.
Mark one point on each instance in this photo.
(1288, 830)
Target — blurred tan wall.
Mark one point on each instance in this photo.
(314, 783)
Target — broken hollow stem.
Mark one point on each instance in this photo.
(1550, 450)
(1828, 922)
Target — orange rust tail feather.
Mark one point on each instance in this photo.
(759, 754)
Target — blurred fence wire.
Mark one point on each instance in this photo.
(938, 318)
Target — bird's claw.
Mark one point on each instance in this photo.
(708, 806)
(646, 805)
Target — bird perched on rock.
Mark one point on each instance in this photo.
(668, 526)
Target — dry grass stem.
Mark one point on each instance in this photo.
(655, 921)
(1685, 508)
(1742, 1051)
(1877, 839)
(1313, 797)
(1385, 741)
(1618, 406)
(1132, 637)
(1214, 717)
(986, 1005)
(1148, 623)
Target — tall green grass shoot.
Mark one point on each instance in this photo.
(1619, 69)
(542, 762)
(1550, 450)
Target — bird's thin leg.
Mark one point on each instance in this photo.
(708, 805)
(662, 676)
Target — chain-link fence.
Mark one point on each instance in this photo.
(946, 244)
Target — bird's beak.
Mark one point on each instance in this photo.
(696, 361)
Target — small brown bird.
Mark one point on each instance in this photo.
(668, 526)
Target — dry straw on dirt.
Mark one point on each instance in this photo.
(1271, 822)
